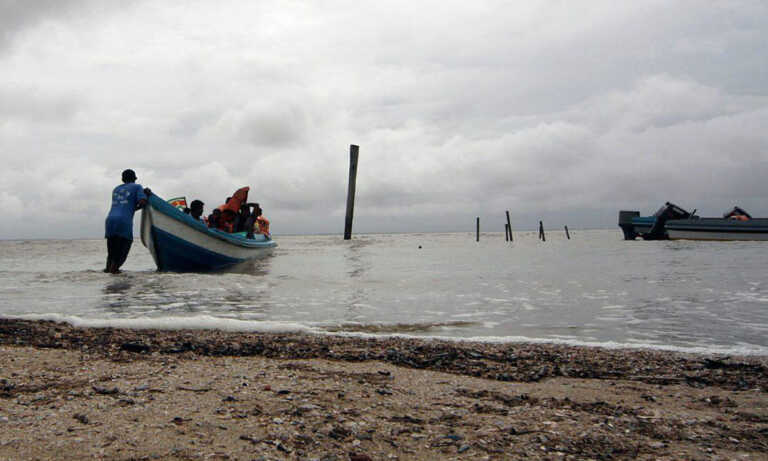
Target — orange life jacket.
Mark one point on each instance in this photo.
(238, 198)
(226, 221)
(230, 209)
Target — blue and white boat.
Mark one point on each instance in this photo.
(736, 225)
(180, 243)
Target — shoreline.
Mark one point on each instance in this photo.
(373, 331)
(341, 397)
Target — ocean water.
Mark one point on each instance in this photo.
(592, 289)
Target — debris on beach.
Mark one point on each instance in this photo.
(71, 393)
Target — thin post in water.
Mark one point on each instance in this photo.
(541, 232)
(566, 233)
(477, 233)
(353, 152)
(506, 232)
(509, 227)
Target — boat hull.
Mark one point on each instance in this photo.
(717, 229)
(179, 243)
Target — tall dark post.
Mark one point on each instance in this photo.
(477, 234)
(566, 233)
(506, 232)
(541, 232)
(509, 228)
(353, 151)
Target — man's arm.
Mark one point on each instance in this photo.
(143, 196)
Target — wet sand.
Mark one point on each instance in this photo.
(72, 393)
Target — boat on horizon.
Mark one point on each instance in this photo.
(671, 222)
(180, 243)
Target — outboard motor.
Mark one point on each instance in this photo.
(625, 222)
(665, 213)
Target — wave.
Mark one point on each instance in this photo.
(207, 322)
(197, 322)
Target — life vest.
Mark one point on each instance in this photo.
(229, 210)
(238, 198)
(226, 221)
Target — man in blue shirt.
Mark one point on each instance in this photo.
(126, 199)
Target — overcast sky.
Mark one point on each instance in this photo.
(556, 110)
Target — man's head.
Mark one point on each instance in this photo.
(196, 208)
(129, 176)
(216, 212)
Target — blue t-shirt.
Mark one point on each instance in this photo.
(120, 218)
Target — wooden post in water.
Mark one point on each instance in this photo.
(353, 152)
(506, 232)
(566, 233)
(509, 228)
(541, 232)
(477, 233)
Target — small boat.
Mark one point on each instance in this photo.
(737, 224)
(180, 243)
(650, 227)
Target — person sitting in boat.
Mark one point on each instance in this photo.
(196, 210)
(213, 218)
(230, 209)
(226, 221)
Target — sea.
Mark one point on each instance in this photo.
(592, 289)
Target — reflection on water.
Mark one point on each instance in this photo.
(118, 287)
(595, 287)
(237, 292)
(257, 267)
(358, 263)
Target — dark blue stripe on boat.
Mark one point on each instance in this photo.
(177, 255)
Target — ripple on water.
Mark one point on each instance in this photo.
(672, 295)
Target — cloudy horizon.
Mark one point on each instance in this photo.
(560, 111)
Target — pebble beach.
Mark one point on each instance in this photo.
(77, 393)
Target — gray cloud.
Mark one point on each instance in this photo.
(461, 110)
(19, 15)
(24, 103)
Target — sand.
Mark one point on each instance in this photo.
(72, 393)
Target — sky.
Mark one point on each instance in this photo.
(558, 111)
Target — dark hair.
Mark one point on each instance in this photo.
(129, 175)
(196, 204)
